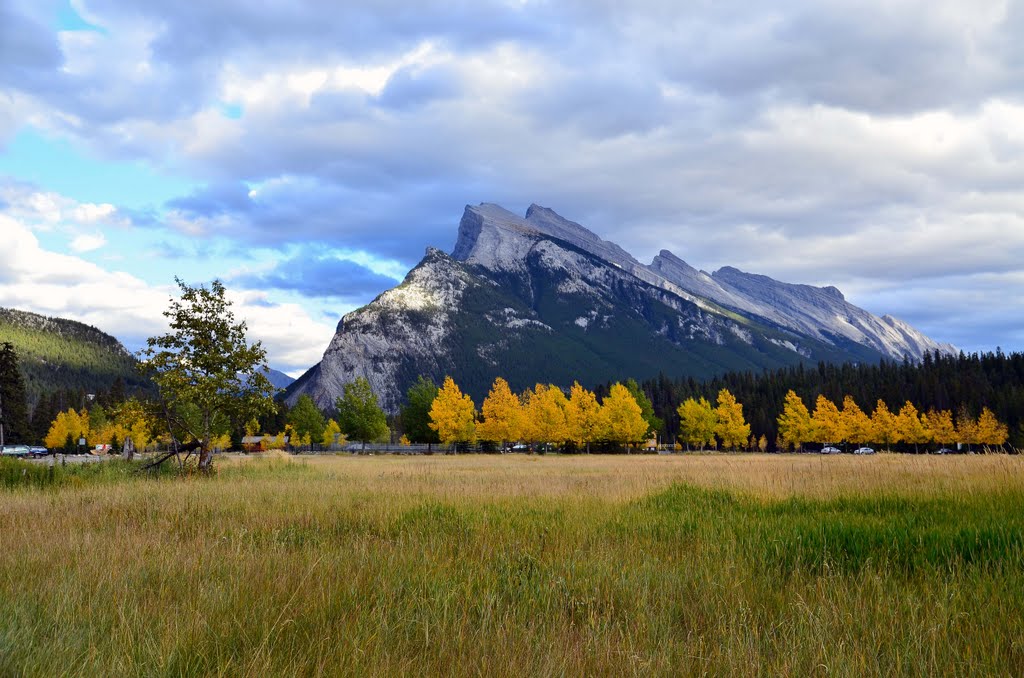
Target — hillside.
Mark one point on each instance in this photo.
(58, 354)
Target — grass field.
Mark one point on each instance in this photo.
(524, 566)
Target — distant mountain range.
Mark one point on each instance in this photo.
(542, 299)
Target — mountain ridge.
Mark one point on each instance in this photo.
(533, 298)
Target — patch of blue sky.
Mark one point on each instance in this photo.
(68, 19)
(233, 111)
(56, 165)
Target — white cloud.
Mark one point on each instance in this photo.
(87, 242)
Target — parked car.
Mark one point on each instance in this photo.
(37, 451)
(14, 451)
(828, 449)
(864, 450)
(944, 450)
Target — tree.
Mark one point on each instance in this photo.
(826, 424)
(794, 423)
(909, 427)
(883, 425)
(967, 427)
(332, 434)
(453, 414)
(621, 417)
(697, 422)
(503, 415)
(205, 369)
(359, 415)
(70, 425)
(940, 426)
(991, 432)
(855, 424)
(416, 411)
(14, 423)
(583, 416)
(307, 419)
(544, 414)
(654, 424)
(732, 428)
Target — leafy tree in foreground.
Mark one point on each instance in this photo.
(697, 422)
(503, 415)
(732, 428)
(826, 422)
(583, 416)
(416, 411)
(205, 369)
(794, 423)
(883, 425)
(856, 425)
(654, 423)
(621, 417)
(453, 414)
(306, 419)
(359, 415)
(545, 415)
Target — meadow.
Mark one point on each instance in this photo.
(519, 565)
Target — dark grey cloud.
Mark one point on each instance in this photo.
(314, 274)
(816, 142)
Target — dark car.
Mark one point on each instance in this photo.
(37, 451)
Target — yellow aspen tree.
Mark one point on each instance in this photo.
(826, 423)
(545, 415)
(991, 432)
(732, 428)
(966, 427)
(940, 427)
(762, 443)
(794, 423)
(453, 414)
(855, 424)
(697, 422)
(503, 415)
(621, 417)
(332, 433)
(883, 425)
(70, 424)
(583, 416)
(909, 427)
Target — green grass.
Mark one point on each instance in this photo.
(503, 566)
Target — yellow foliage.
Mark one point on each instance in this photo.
(75, 424)
(622, 420)
(503, 415)
(453, 414)
(794, 423)
(732, 428)
(545, 415)
(826, 423)
(583, 416)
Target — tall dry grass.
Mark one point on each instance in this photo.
(758, 565)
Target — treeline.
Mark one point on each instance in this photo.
(962, 384)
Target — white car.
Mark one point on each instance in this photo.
(14, 451)
(864, 450)
(828, 449)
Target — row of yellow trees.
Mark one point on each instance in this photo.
(701, 425)
(829, 424)
(541, 415)
(128, 419)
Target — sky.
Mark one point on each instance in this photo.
(307, 153)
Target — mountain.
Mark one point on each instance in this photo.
(277, 378)
(541, 298)
(57, 354)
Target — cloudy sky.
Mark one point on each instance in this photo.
(307, 153)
